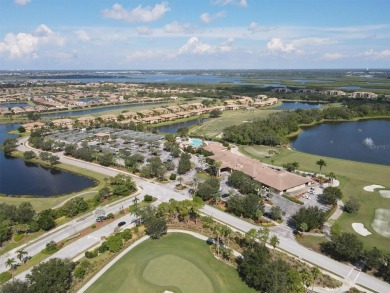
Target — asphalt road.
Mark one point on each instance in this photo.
(164, 193)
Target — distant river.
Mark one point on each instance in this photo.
(18, 177)
(363, 141)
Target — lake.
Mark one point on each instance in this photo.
(11, 105)
(18, 177)
(297, 105)
(363, 141)
(172, 128)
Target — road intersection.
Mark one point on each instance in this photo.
(163, 193)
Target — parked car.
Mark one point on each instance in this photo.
(120, 224)
(100, 219)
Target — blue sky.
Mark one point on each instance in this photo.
(194, 34)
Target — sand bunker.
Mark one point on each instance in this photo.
(360, 229)
(371, 188)
(381, 223)
(385, 193)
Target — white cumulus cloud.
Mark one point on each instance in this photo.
(22, 2)
(138, 14)
(195, 46)
(377, 54)
(26, 45)
(207, 18)
(277, 45)
(241, 3)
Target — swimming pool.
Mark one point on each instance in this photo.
(196, 142)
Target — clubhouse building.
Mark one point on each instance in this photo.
(279, 181)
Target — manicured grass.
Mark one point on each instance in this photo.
(177, 262)
(312, 242)
(353, 175)
(214, 126)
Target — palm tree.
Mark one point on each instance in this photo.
(263, 235)
(11, 263)
(274, 241)
(226, 231)
(331, 177)
(218, 232)
(321, 163)
(180, 179)
(295, 165)
(21, 253)
(315, 272)
(307, 278)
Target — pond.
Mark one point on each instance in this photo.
(172, 128)
(297, 105)
(12, 105)
(18, 177)
(363, 141)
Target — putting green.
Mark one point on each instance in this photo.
(381, 223)
(179, 263)
(176, 274)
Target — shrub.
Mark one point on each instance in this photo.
(103, 248)
(293, 199)
(173, 176)
(91, 254)
(18, 237)
(126, 234)
(93, 226)
(79, 272)
(110, 216)
(85, 264)
(148, 198)
(4, 277)
(50, 248)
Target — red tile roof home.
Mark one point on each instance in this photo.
(160, 111)
(167, 117)
(108, 117)
(150, 120)
(174, 108)
(86, 119)
(33, 125)
(146, 113)
(280, 180)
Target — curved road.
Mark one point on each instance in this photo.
(163, 192)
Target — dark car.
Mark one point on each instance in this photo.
(120, 224)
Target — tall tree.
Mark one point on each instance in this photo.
(321, 163)
(53, 276)
(21, 253)
(11, 263)
(274, 241)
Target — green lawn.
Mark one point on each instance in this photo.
(353, 175)
(312, 242)
(214, 126)
(177, 262)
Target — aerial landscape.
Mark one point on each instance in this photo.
(194, 146)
